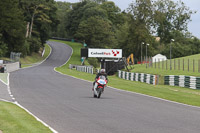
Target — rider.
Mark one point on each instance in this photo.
(102, 72)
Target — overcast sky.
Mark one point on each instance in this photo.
(193, 26)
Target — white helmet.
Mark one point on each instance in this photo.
(102, 71)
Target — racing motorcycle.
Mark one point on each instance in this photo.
(99, 86)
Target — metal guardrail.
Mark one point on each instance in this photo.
(182, 81)
(141, 77)
(9, 67)
(87, 69)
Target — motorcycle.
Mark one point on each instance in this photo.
(99, 86)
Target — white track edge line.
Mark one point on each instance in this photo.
(41, 61)
(19, 105)
(66, 61)
(125, 90)
(39, 120)
(4, 100)
(69, 57)
(16, 103)
(136, 93)
(4, 82)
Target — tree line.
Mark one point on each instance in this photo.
(102, 24)
(25, 25)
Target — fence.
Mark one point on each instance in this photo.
(183, 81)
(15, 57)
(146, 78)
(184, 64)
(11, 67)
(87, 69)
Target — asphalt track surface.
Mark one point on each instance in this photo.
(67, 104)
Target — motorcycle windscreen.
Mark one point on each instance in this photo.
(102, 77)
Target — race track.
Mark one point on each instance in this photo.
(67, 105)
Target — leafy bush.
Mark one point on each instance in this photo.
(3, 47)
(93, 61)
(35, 44)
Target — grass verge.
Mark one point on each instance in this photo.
(13, 119)
(34, 58)
(3, 77)
(177, 94)
(161, 69)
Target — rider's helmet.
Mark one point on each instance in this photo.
(102, 71)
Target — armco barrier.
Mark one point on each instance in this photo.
(146, 78)
(12, 66)
(87, 69)
(183, 81)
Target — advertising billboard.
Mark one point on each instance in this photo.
(105, 53)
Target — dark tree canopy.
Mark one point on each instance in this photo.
(12, 26)
(27, 25)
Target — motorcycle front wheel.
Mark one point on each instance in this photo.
(99, 92)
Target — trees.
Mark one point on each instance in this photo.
(96, 32)
(139, 27)
(25, 25)
(63, 9)
(29, 23)
(100, 23)
(3, 47)
(40, 17)
(74, 16)
(112, 11)
(170, 16)
(94, 22)
(12, 28)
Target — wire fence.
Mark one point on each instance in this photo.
(183, 64)
(15, 57)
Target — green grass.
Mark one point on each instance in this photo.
(28, 61)
(34, 58)
(13, 119)
(3, 77)
(75, 59)
(163, 70)
(178, 94)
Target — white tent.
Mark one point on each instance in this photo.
(158, 58)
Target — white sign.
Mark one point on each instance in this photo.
(105, 53)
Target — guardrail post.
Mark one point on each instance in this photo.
(174, 64)
(193, 65)
(199, 66)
